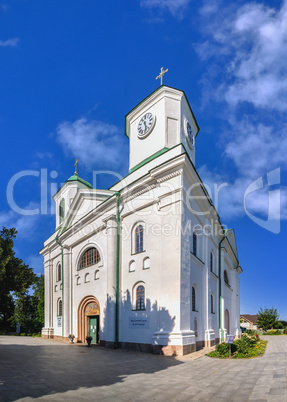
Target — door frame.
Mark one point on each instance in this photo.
(83, 318)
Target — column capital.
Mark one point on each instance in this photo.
(66, 249)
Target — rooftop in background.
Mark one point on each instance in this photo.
(249, 317)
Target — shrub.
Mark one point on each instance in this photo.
(222, 349)
(273, 332)
(278, 325)
(249, 345)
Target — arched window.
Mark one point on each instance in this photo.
(193, 299)
(195, 326)
(60, 307)
(226, 280)
(87, 278)
(62, 210)
(139, 239)
(59, 272)
(211, 303)
(140, 302)
(78, 280)
(97, 274)
(132, 267)
(89, 258)
(194, 243)
(146, 263)
(211, 262)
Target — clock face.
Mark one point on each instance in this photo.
(189, 135)
(146, 125)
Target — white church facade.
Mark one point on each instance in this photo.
(145, 265)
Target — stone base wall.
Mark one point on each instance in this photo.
(47, 336)
(174, 350)
(108, 344)
(58, 338)
(139, 347)
(200, 345)
(169, 350)
(208, 344)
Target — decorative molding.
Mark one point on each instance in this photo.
(170, 176)
(140, 192)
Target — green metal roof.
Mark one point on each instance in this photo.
(75, 177)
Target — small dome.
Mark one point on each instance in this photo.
(75, 177)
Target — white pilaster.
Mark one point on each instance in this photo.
(111, 233)
(67, 307)
(47, 294)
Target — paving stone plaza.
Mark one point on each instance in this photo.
(51, 371)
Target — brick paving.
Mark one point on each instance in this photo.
(53, 371)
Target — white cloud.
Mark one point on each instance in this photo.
(175, 7)
(253, 40)
(44, 155)
(24, 224)
(257, 148)
(10, 42)
(94, 143)
(210, 7)
(228, 196)
(246, 48)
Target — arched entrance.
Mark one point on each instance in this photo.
(89, 319)
(226, 321)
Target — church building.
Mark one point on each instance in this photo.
(146, 264)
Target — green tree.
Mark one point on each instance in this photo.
(29, 309)
(24, 312)
(267, 318)
(15, 276)
(38, 302)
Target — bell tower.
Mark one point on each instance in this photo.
(159, 122)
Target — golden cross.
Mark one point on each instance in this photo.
(162, 72)
(75, 164)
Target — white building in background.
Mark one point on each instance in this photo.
(146, 264)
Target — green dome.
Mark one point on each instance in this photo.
(75, 177)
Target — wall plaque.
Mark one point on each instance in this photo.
(138, 322)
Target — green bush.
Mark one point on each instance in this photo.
(23, 334)
(278, 325)
(245, 343)
(222, 349)
(249, 345)
(273, 332)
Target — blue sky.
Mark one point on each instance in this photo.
(71, 70)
